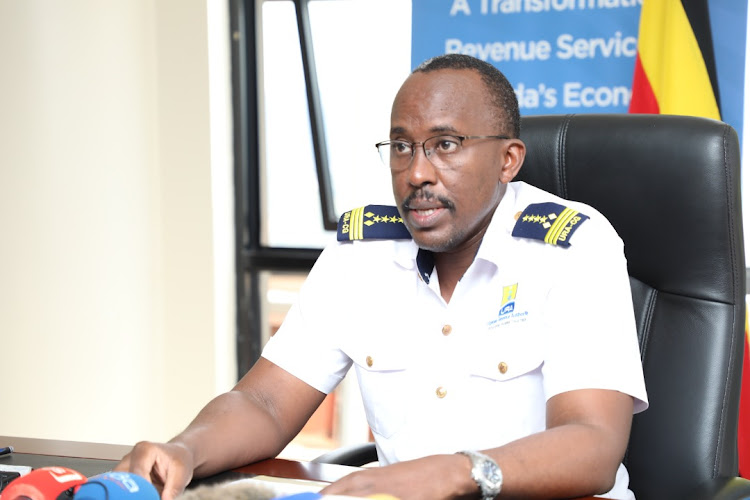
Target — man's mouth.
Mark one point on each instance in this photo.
(425, 209)
(425, 218)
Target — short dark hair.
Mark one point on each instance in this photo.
(500, 91)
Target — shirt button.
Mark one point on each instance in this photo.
(368, 360)
(447, 329)
(441, 392)
(502, 367)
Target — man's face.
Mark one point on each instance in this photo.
(448, 209)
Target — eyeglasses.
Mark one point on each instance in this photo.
(442, 150)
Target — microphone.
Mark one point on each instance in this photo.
(45, 483)
(116, 486)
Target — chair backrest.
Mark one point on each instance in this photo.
(670, 185)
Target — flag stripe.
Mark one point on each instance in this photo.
(698, 15)
(672, 60)
(643, 99)
(743, 431)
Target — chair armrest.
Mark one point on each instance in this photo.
(723, 488)
(356, 455)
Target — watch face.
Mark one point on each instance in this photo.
(491, 473)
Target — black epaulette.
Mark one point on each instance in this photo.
(372, 222)
(549, 222)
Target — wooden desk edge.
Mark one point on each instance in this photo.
(55, 447)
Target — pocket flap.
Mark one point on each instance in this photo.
(378, 358)
(497, 366)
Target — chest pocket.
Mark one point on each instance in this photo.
(505, 388)
(507, 369)
(384, 381)
(506, 352)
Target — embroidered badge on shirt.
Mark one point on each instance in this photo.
(509, 299)
(507, 313)
(549, 222)
(372, 222)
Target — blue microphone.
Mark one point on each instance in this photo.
(116, 486)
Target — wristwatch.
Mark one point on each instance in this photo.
(486, 473)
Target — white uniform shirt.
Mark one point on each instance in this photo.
(528, 320)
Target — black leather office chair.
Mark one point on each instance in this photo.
(670, 185)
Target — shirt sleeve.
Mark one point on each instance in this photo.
(306, 344)
(589, 324)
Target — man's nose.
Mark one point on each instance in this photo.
(421, 170)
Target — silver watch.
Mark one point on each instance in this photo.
(486, 473)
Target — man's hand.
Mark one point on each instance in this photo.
(254, 421)
(436, 477)
(168, 466)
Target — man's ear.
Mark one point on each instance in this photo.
(515, 152)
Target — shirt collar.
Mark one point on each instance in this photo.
(409, 256)
(405, 253)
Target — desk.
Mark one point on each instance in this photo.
(89, 459)
(92, 458)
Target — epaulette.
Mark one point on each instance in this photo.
(372, 222)
(549, 222)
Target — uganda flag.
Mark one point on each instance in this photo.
(675, 72)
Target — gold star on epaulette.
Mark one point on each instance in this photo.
(538, 219)
(372, 222)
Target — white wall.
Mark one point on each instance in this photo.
(116, 272)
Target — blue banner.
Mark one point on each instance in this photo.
(570, 56)
(561, 56)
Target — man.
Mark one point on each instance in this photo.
(503, 325)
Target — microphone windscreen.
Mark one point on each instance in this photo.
(302, 496)
(45, 483)
(116, 486)
(318, 496)
(241, 490)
